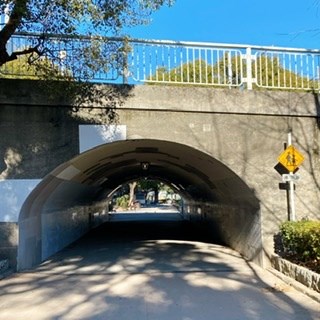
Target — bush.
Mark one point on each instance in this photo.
(301, 239)
(123, 201)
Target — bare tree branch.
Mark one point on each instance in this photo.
(71, 18)
(15, 18)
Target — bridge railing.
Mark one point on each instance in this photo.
(167, 62)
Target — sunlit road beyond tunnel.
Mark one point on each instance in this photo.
(141, 270)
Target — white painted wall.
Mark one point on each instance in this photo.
(94, 135)
(13, 193)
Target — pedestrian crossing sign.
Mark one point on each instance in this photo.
(291, 158)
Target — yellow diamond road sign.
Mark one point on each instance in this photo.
(291, 158)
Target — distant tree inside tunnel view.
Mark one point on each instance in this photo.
(152, 191)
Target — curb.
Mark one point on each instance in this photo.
(300, 278)
(295, 284)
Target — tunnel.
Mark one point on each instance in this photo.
(73, 198)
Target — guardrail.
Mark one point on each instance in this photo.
(103, 59)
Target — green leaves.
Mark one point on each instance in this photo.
(225, 71)
(302, 239)
(73, 17)
(98, 16)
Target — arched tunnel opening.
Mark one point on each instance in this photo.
(74, 198)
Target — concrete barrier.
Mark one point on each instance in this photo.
(303, 275)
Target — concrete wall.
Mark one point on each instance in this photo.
(245, 130)
(60, 229)
(65, 216)
(234, 226)
(249, 144)
(59, 222)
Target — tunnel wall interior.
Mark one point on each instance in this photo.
(62, 228)
(13, 193)
(66, 216)
(9, 242)
(58, 231)
(235, 226)
(241, 230)
(59, 223)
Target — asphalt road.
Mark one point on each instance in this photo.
(150, 271)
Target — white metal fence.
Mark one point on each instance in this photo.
(168, 62)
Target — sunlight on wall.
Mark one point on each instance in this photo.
(12, 159)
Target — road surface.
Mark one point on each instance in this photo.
(150, 271)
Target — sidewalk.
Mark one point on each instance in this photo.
(115, 273)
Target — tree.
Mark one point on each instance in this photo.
(191, 72)
(41, 68)
(150, 185)
(269, 71)
(70, 18)
(143, 185)
(230, 70)
(125, 198)
(51, 48)
(226, 71)
(132, 187)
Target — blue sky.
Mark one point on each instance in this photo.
(285, 23)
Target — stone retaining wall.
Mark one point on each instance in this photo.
(303, 275)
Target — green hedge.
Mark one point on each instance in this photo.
(123, 201)
(302, 239)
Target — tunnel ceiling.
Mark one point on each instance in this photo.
(196, 175)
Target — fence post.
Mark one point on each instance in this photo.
(249, 68)
(229, 69)
(125, 67)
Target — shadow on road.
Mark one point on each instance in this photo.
(150, 270)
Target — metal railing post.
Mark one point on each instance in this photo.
(249, 68)
(125, 67)
(229, 69)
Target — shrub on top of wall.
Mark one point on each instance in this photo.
(301, 242)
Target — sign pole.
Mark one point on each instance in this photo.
(290, 159)
(292, 209)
